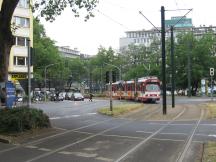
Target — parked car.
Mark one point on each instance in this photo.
(77, 97)
(68, 95)
(62, 94)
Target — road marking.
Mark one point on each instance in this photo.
(212, 135)
(168, 139)
(90, 149)
(83, 154)
(149, 137)
(104, 159)
(65, 152)
(144, 132)
(130, 137)
(32, 147)
(72, 144)
(70, 116)
(44, 149)
(174, 133)
(92, 113)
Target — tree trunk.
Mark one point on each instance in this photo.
(6, 37)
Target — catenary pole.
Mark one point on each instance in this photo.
(163, 53)
(173, 67)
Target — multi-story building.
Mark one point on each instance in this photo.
(23, 22)
(146, 37)
(66, 52)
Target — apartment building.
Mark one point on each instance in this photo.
(22, 21)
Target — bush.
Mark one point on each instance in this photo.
(22, 119)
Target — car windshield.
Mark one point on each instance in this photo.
(78, 95)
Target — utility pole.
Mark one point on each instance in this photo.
(172, 67)
(163, 71)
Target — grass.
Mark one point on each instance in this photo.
(120, 109)
(210, 152)
(211, 111)
(210, 147)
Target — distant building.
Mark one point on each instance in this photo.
(146, 37)
(66, 52)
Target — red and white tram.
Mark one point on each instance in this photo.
(144, 89)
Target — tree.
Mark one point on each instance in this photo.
(45, 53)
(49, 9)
(199, 51)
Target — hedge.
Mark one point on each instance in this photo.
(22, 119)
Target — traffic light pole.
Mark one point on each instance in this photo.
(211, 89)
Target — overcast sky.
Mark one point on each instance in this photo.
(114, 17)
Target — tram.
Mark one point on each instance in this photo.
(145, 89)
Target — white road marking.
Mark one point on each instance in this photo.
(92, 113)
(44, 149)
(104, 159)
(32, 147)
(144, 132)
(175, 133)
(70, 116)
(83, 154)
(65, 152)
(212, 135)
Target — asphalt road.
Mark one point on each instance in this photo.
(87, 136)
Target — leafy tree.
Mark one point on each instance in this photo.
(46, 8)
(45, 53)
(199, 51)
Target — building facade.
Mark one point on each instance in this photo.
(22, 21)
(146, 37)
(66, 52)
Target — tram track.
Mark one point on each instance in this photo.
(122, 157)
(188, 141)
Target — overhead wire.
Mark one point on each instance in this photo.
(110, 18)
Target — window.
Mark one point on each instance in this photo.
(21, 21)
(20, 60)
(23, 3)
(21, 41)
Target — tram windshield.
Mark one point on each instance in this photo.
(152, 87)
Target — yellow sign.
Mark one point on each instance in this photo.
(18, 76)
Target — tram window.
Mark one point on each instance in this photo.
(152, 87)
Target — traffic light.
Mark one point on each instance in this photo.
(211, 71)
(107, 76)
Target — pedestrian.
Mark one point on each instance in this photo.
(90, 97)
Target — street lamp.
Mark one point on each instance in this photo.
(45, 77)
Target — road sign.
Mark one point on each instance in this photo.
(211, 70)
(18, 76)
(10, 92)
